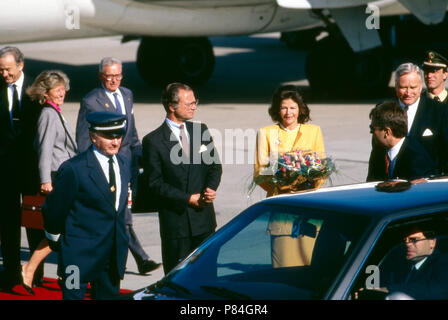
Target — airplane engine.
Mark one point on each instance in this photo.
(162, 60)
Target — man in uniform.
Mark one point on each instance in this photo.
(112, 97)
(84, 216)
(435, 69)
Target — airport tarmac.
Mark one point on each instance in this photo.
(237, 97)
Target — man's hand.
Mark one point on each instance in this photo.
(195, 200)
(209, 195)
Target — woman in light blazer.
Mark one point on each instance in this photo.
(54, 143)
(289, 133)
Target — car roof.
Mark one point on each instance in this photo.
(364, 199)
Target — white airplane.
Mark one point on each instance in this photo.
(173, 33)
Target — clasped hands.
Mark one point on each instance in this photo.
(199, 200)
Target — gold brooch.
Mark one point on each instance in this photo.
(112, 189)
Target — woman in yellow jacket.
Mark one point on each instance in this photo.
(291, 132)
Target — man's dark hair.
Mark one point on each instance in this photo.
(288, 92)
(170, 95)
(390, 115)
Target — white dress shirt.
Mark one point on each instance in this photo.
(392, 154)
(111, 97)
(19, 86)
(175, 128)
(412, 110)
(104, 163)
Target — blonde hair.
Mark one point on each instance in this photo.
(46, 81)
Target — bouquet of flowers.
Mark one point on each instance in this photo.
(296, 170)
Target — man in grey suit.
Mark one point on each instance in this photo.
(111, 97)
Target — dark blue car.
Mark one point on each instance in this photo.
(348, 239)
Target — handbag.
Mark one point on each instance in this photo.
(32, 211)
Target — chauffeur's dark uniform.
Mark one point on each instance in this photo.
(93, 235)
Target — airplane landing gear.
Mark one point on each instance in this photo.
(332, 68)
(164, 60)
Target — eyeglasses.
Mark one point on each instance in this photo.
(193, 103)
(109, 77)
(373, 128)
(413, 240)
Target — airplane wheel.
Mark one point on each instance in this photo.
(164, 60)
(328, 67)
(332, 68)
(372, 71)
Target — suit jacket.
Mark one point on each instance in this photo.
(18, 158)
(81, 208)
(412, 162)
(54, 142)
(97, 101)
(430, 129)
(430, 281)
(172, 184)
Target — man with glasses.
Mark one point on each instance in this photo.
(402, 157)
(112, 97)
(435, 70)
(184, 172)
(420, 272)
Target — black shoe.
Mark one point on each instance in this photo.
(148, 266)
(26, 287)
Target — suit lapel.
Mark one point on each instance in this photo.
(124, 173)
(104, 101)
(98, 178)
(127, 102)
(171, 143)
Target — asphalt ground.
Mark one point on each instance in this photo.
(237, 97)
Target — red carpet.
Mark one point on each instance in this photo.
(48, 291)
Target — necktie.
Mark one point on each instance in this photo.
(411, 274)
(15, 104)
(437, 98)
(184, 141)
(387, 165)
(112, 182)
(117, 104)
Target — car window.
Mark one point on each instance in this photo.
(409, 261)
(272, 252)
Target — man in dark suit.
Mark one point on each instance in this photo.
(401, 157)
(84, 216)
(18, 117)
(435, 69)
(184, 172)
(111, 97)
(419, 271)
(426, 118)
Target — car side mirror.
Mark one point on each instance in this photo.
(302, 228)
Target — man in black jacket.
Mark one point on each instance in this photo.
(18, 161)
(426, 117)
(401, 157)
(184, 172)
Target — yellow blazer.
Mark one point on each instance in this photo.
(274, 140)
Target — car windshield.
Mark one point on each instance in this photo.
(269, 252)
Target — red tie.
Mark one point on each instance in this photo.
(387, 166)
